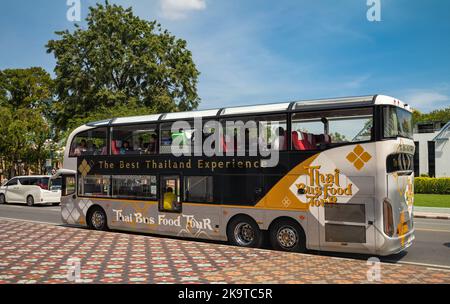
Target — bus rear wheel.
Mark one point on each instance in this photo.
(287, 235)
(96, 219)
(243, 231)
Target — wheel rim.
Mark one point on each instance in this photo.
(30, 201)
(98, 219)
(244, 234)
(287, 237)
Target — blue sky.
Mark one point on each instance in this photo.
(258, 51)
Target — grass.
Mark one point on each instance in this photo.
(432, 200)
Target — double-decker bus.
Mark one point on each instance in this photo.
(335, 175)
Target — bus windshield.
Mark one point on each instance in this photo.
(397, 122)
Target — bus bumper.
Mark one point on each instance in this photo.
(394, 245)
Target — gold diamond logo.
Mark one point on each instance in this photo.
(84, 168)
(358, 157)
(286, 202)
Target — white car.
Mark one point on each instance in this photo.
(31, 190)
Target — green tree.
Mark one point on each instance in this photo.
(439, 115)
(26, 88)
(25, 98)
(120, 59)
(23, 136)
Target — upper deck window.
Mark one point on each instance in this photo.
(272, 133)
(397, 122)
(183, 137)
(136, 139)
(91, 142)
(322, 129)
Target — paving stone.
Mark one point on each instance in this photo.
(46, 253)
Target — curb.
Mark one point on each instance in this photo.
(433, 216)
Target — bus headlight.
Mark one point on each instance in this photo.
(388, 218)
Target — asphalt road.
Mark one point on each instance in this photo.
(431, 246)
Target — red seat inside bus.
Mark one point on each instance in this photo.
(303, 141)
(114, 149)
(308, 141)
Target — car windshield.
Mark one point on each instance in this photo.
(397, 122)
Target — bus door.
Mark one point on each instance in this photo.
(184, 209)
(348, 226)
(170, 206)
(170, 198)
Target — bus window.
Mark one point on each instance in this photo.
(198, 189)
(272, 133)
(68, 185)
(170, 194)
(184, 136)
(397, 122)
(320, 130)
(240, 135)
(137, 139)
(134, 186)
(91, 142)
(95, 186)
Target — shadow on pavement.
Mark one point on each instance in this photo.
(266, 246)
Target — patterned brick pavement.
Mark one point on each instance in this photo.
(38, 253)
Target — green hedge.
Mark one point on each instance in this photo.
(431, 185)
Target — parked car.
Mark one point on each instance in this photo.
(31, 190)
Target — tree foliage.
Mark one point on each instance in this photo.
(120, 59)
(25, 97)
(439, 115)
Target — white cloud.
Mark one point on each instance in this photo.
(426, 100)
(178, 9)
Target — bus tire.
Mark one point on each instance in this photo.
(96, 219)
(30, 201)
(2, 199)
(287, 235)
(244, 232)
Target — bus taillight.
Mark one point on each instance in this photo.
(388, 218)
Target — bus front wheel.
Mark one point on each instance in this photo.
(96, 219)
(243, 231)
(287, 235)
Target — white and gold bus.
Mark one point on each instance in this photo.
(342, 179)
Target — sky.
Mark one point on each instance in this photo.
(262, 51)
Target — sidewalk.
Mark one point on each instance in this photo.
(432, 213)
(39, 253)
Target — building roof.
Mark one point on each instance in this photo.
(444, 133)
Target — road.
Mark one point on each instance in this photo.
(431, 246)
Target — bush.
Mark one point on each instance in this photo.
(431, 185)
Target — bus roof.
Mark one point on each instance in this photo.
(301, 105)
